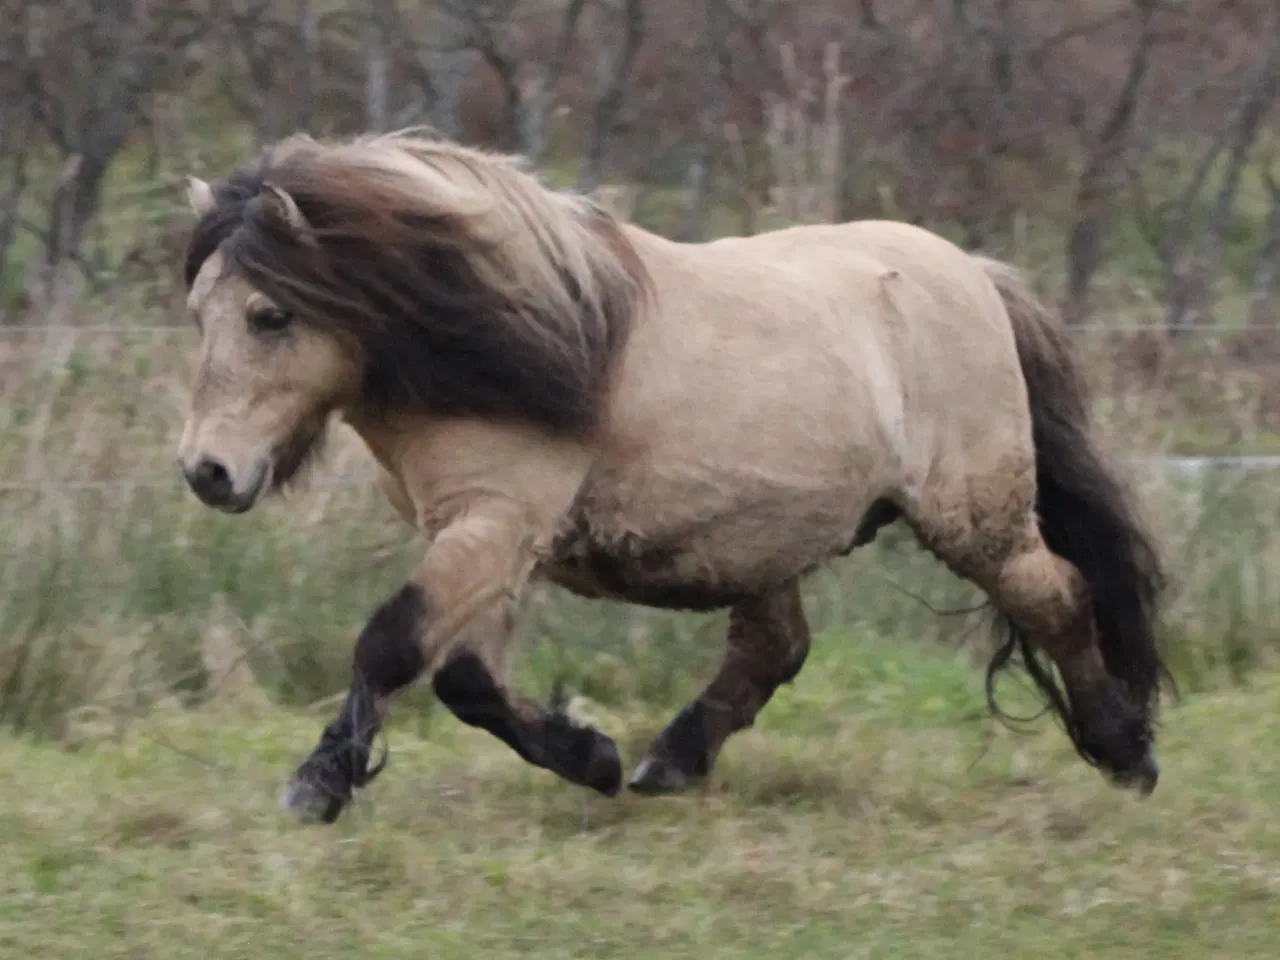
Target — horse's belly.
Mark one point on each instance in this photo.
(606, 576)
(717, 562)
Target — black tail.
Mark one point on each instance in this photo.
(1085, 515)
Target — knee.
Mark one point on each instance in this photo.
(465, 685)
(388, 653)
(1045, 593)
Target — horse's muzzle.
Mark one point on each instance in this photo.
(213, 483)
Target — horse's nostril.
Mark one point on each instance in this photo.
(211, 481)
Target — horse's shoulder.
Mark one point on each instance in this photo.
(435, 470)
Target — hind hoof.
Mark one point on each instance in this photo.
(656, 778)
(1142, 777)
(603, 771)
(580, 754)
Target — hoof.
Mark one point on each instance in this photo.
(657, 777)
(1142, 777)
(603, 771)
(311, 803)
(580, 754)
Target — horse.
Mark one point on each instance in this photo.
(553, 394)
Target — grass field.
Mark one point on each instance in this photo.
(873, 812)
(157, 660)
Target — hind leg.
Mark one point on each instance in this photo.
(1048, 603)
(767, 645)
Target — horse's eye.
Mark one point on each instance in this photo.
(269, 320)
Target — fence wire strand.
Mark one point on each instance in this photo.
(1187, 464)
(1207, 330)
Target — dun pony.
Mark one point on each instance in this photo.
(555, 395)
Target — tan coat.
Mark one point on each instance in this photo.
(551, 393)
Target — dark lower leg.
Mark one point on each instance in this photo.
(767, 645)
(545, 738)
(388, 657)
(1106, 727)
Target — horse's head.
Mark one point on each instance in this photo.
(266, 379)
(391, 275)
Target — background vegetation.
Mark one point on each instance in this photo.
(162, 667)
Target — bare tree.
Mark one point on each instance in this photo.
(1266, 268)
(960, 111)
(308, 20)
(714, 50)
(382, 16)
(90, 70)
(528, 79)
(256, 46)
(979, 89)
(15, 149)
(1193, 277)
(17, 130)
(613, 66)
(1108, 167)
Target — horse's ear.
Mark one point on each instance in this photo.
(279, 206)
(199, 196)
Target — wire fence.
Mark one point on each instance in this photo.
(1188, 465)
(31, 358)
(1215, 330)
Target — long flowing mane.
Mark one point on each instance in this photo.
(468, 286)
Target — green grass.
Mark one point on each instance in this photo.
(872, 812)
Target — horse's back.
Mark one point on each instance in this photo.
(949, 341)
(869, 330)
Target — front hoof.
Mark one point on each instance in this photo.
(657, 778)
(581, 755)
(310, 802)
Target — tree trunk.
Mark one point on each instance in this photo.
(1194, 281)
(615, 70)
(700, 176)
(1266, 268)
(309, 42)
(1105, 172)
(377, 70)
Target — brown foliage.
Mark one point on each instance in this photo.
(967, 114)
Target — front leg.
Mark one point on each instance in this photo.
(470, 687)
(389, 656)
(453, 618)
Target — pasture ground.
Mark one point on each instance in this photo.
(874, 811)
